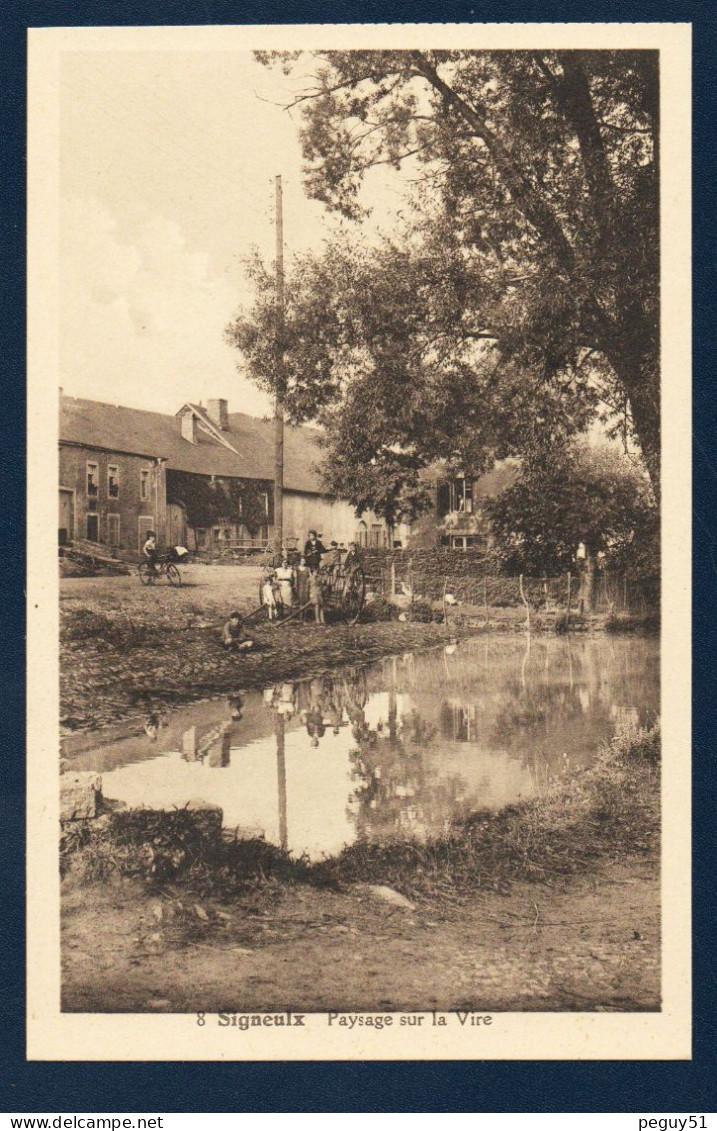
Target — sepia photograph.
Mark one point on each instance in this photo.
(360, 370)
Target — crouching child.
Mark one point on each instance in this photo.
(233, 636)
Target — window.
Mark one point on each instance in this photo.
(362, 534)
(461, 495)
(93, 528)
(92, 481)
(113, 529)
(201, 536)
(112, 481)
(144, 483)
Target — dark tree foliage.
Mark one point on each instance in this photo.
(209, 501)
(575, 495)
(536, 226)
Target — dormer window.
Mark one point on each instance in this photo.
(188, 424)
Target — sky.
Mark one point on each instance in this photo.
(167, 168)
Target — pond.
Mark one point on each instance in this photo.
(396, 749)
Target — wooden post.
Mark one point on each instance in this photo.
(525, 602)
(393, 578)
(485, 602)
(445, 610)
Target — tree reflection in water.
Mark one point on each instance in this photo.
(395, 749)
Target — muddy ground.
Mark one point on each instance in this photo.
(125, 647)
(589, 943)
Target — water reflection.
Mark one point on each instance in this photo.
(399, 748)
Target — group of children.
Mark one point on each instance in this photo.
(305, 583)
(281, 584)
(317, 567)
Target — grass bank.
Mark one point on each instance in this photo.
(599, 816)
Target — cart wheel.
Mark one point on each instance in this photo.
(174, 577)
(146, 574)
(353, 596)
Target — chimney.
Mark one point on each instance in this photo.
(188, 425)
(218, 411)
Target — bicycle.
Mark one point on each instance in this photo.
(163, 567)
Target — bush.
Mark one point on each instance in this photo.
(424, 613)
(629, 622)
(379, 610)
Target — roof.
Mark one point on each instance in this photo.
(119, 429)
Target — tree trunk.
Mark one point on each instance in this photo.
(637, 370)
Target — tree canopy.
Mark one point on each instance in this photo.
(576, 495)
(535, 229)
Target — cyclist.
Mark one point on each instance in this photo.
(150, 552)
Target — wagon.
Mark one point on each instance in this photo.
(344, 598)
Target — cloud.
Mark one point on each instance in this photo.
(142, 315)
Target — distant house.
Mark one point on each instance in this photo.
(202, 478)
(456, 518)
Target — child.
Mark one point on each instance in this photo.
(316, 596)
(267, 596)
(233, 635)
(302, 582)
(150, 550)
(285, 577)
(331, 563)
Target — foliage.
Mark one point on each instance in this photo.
(210, 501)
(534, 227)
(576, 494)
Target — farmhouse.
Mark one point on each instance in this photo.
(201, 478)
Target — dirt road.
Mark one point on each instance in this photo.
(591, 944)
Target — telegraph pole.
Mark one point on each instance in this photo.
(278, 403)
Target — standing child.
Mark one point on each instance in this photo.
(316, 596)
(285, 577)
(302, 582)
(267, 596)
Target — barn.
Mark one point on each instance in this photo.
(202, 477)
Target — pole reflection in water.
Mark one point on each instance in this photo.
(396, 749)
(279, 725)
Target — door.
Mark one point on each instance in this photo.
(93, 528)
(177, 524)
(113, 529)
(66, 528)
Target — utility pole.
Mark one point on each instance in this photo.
(278, 404)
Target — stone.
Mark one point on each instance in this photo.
(388, 895)
(80, 795)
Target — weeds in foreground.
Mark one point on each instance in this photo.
(601, 814)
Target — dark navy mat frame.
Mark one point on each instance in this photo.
(346, 1087)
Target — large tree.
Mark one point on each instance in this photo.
(538, 172)
(379, 347)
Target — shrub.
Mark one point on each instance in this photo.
(379, 610)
